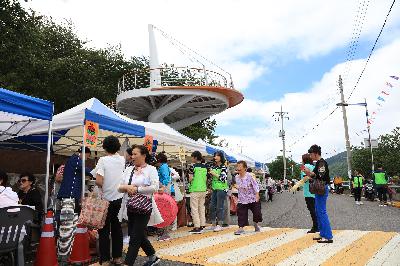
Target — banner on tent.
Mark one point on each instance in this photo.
(148, 142)
(91, 133)
(182, 155)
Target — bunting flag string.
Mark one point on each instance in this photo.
(381, 100)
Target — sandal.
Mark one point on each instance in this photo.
(317, 238)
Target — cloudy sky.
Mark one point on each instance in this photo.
(280, 53)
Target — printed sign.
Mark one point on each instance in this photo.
(91, 134)
(148, 142)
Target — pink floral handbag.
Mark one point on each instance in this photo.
(94, 212)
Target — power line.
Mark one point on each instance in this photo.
(358, 80)
(372, 50)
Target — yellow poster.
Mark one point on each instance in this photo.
(148, 142)
(91, 133)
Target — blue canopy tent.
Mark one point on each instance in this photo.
(21, 115)
(213, 149)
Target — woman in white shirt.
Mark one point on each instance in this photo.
(140, 178)
(108, 172)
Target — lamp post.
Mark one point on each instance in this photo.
(368, 128)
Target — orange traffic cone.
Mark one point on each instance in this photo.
(46, 254)
(80, 249)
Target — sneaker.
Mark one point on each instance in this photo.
(202, 227)
(156, 261)
(163, 238)
(239, 232)
(257, 228)
(210, 228)
(196, 230)
(357, 203)
(190, 225)
(361, 203)
(218, 228)
(225, 225)
(312, 231)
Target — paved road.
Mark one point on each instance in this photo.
(288, 210)
(368, 230)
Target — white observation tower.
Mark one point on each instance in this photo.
(177, 96)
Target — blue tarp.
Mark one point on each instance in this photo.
(211, 150)
(20, 104)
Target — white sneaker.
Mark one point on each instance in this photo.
(210, 228)
(361, 203)
(218, 228)
(357, 203)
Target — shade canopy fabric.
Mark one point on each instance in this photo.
(169, 139)
(21, 114)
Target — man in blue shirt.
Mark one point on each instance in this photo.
(70, 193)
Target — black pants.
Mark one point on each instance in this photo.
(116, 233)
(137, 224)
(310, 201)
(382, 191)
(243, 213)
(270, 194)
(357, 193)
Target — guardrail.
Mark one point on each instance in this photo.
(174, 76)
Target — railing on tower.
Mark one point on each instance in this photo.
(175, 76)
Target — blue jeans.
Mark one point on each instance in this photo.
(324, 225)
(217, 209)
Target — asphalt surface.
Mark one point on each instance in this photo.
(289, 210)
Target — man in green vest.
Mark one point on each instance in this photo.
(380, 180)
(198, 190)
(357, 186)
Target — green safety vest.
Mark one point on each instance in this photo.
(199, 182)
(380, 178)
(216, 183)
(356, 180)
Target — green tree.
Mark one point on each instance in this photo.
(276, 168)
(387, 154)
(41, 58)
(202, 130)
(44, 59)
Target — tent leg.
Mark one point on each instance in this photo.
(49, 141)
(83, 162)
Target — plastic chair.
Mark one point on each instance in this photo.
(12, 220)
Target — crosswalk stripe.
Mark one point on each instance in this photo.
(206, 243)
(389, 255)
(319, 253)
(275, 255)
(190, 238)
(367, 245)
(255, 247)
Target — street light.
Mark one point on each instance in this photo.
(368, 127)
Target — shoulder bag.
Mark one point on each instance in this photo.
(138, 203)
(317, 186)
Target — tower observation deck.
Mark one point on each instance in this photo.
(177, 96)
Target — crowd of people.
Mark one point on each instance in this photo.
(213, 190)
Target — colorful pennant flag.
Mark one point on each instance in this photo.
(381, 99)
(389, 84)
(384, 92)
(394, 77)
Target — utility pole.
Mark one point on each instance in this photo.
(369, 136)
(346, 129)
(280, 117)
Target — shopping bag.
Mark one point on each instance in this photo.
(94, 212)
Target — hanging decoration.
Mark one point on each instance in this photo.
(91, 133)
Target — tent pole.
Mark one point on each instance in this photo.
(83, 161)
(49, 141)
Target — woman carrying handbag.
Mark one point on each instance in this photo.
(140, 182)
(320, 187)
